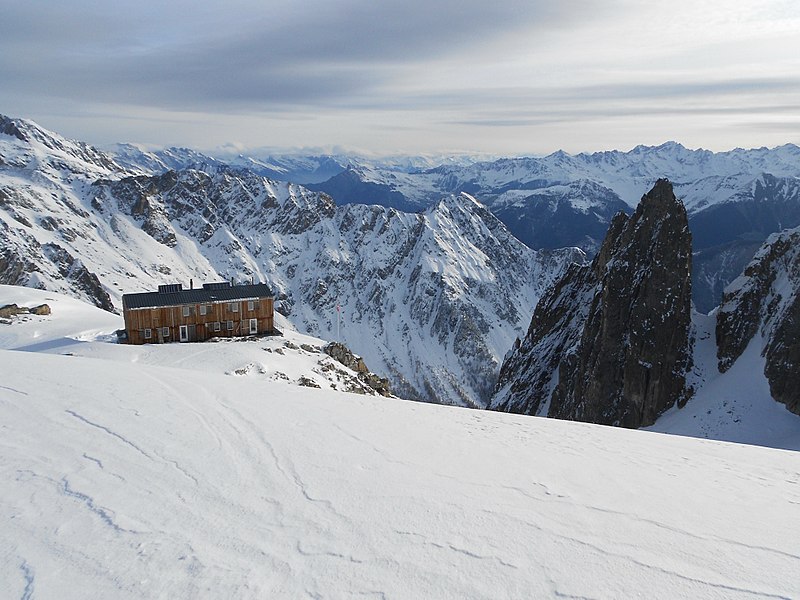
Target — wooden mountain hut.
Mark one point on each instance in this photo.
(173, 314)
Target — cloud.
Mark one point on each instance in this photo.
(440, 73)
(247, 54)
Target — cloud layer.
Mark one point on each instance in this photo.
(414, 75)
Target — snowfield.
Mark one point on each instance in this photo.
(152, 472)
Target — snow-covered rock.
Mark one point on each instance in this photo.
(764, 304)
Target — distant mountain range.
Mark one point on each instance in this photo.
(735, 199)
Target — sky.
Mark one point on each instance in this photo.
(411, 76)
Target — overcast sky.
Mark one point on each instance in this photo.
(389, 76)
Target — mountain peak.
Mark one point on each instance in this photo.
(9, 126)
(609, 343)
(28, 131)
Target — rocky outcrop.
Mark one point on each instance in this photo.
(763, 306)
(73, 270)
(12, 310)
(343, 355)
(610, 342)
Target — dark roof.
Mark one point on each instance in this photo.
(215, 293)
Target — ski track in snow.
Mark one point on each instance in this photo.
(101, 512)
(30, 576)
(114, 434)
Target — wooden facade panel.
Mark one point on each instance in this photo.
(164, 323)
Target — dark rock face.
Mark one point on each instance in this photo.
(765, 301)
(610, 342)
(14, 270)
(75, 271)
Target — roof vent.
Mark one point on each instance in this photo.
(170, 288)
(220, 285)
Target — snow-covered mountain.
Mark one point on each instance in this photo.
(734, 199)
(161, 472)
(432, 300)
(616, 342)
(762, 308)
(145, 162)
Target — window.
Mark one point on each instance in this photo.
(148, 333)
(251, 305)
(230, 325)
(165, 331)
(217, 326)
(203, 309)
(234, 307)
(186, 311)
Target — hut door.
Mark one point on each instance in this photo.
(184, 333)
(253, 326)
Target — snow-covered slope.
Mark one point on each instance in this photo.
(764, 304)
(431, 300)
(735, 406)
(126, 479)
(75, 328)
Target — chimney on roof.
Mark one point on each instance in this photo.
(191, 284)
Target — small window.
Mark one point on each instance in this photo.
(203, 309)
(148, 333)
(186, 311)
(251, 305)
(234, 307)
(165, 331)
(217, 326)
(230, 325)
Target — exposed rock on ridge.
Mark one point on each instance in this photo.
(610, 342)
(765, 302)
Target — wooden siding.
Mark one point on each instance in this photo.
(199, 327)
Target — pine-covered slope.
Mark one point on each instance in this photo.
(432, 300)
(610, 343)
